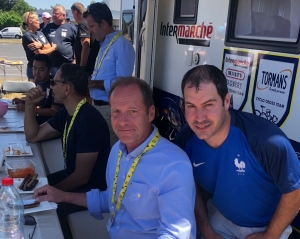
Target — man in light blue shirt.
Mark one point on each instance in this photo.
(149, 178)
(115, 58)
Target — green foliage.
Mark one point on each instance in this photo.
(20, 7)
(10, 19)
(6, 5)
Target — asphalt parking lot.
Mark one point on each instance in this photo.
(13, 52)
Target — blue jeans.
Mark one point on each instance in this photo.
(54, 69)
(29, 73)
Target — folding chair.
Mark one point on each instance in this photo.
(16, 86)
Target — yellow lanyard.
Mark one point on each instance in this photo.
(66, 133)
(98, 65)
(151, 144)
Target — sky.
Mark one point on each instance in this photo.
(46, 4)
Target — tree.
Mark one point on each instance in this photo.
(21, 7)
(10, 19)
(6, 5)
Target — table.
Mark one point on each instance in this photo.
(48, 226)
(18, 66)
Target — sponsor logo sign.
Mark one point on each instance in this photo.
(273, 87)
(237, 67)
(198, 35)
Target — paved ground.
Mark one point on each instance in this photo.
(13, 51)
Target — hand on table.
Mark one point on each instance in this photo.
(48, 193)
(21, 107)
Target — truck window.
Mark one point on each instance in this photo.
(185, 11)
(271, 25)
(128, 24)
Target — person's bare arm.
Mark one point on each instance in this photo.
(96, 84)
(286, 211)
(202, 218)
(51, 194)
(47, 49)
(85, 43)
(35, 133)
(85, 163)
(47, 111)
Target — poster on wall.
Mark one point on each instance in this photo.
(273, 87)
(237, 67)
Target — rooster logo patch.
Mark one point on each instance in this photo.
(240, 165)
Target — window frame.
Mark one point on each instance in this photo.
(267, 45)
(184, 20)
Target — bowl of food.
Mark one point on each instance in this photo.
(3, 108)
(20, 168)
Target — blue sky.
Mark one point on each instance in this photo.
(46, 4)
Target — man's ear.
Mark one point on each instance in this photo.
(227, 101)
(68, 89)
(151, 113)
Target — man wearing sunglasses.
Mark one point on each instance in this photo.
(115, 58)
(61, 34)
(84, 132)
(46, 108)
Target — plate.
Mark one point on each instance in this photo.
(18, 150)
(18, 181)
(44, 206)
(6, 129)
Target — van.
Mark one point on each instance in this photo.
(256, 43)
(11, 32)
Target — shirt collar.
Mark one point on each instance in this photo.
(109, 36)
(140, 148)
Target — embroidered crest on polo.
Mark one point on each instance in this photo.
(240, 165)
(135, 196)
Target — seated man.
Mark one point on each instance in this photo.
(156, 198)
(85, 135)
(46, 108)
(246, 163)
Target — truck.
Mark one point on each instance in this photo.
(256, 43)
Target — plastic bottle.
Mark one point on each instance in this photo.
(11, 211)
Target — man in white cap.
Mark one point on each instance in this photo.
(46, 19)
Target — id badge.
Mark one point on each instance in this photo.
(112, 217)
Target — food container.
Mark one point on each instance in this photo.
(3, 108)
(20, 168)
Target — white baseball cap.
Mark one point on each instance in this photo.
(46, 15)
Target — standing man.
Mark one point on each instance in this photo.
(115, 58)
(156, 198)
(245, 162)
(85, 137)
(63, 35)
(86, 47)
(46, 19)
(46, 108)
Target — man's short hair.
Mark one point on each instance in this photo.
(61, 8)
(44, 58)
(99, 11)
(128, 81)
(205, 74)
(76, 75)
(77, 6)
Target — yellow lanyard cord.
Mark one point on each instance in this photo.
(151, 144)
(98, 65)
(66, 133)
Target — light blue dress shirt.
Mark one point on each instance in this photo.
(159, 201)
(119, 61)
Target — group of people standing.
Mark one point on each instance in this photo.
(147, 184)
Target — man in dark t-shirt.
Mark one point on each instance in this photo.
(86, 46)
(63, 35)
(46, 108)
(46, 17)
(85, 136)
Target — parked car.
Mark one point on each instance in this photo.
(11, 32)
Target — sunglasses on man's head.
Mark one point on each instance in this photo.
(53, 82)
